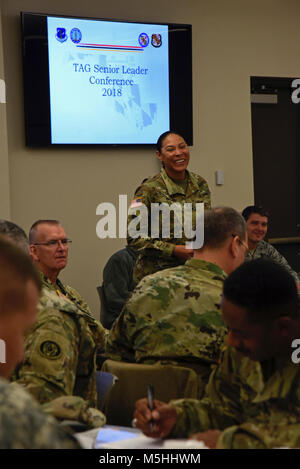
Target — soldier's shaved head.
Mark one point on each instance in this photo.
(34, 228)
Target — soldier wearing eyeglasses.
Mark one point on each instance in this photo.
(60, 352)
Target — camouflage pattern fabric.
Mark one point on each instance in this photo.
(23, 424)
(266, 250)
(75, 408)
(257, 405)
(156, 253)
(172, 317)
(60, 351)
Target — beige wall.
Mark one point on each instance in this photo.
(4, 172)
(232, 40)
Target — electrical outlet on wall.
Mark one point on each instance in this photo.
(219, 178)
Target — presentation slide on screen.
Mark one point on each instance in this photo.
(109, 81)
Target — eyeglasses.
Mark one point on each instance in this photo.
(54, 243)
(241, 242)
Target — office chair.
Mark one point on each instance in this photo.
(169, 381)
(104, 383)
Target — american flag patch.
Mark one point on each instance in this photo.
(136, 202)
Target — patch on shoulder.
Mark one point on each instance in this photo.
(50, 350)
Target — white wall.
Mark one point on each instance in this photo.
(232, 40)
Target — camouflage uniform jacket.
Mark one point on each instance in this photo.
(172, 316)
(256, 404)
(156, 253)
(23, 424)
(266, 250)
(60, 351)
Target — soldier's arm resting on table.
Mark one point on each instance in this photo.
(272, 423)
(24, 425)
(182, 418)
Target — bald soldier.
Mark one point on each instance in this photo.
(23, 424)
(174, 315)
(253, 396)
(60, 352)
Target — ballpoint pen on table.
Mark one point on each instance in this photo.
(150, 396)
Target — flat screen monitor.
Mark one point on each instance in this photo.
(105, 82)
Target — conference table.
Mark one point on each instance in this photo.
(115, 437)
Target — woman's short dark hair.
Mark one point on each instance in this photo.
(161, 138)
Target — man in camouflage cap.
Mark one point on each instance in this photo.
(174, 315)
(23, 424)
(60, 351)
(253, 396)
(257, 226)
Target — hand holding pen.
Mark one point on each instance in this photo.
(156, 423)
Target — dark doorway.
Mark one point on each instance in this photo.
(276, 161)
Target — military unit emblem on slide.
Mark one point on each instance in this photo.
(75, 35)
(61, 34)
(156, 40)
(143, 39)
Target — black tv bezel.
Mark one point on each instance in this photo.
(36, 85)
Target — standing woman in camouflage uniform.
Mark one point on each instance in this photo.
(174, 184)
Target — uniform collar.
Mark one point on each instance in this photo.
(171, 185)
(174, 188)
(46, 282)
(205, 265)
(276, 385)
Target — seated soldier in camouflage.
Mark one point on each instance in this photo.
(174, 316)
(60, 351)
(253, 396)
(23, 424)
(257, 220)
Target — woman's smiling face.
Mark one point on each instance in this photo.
(174, 155)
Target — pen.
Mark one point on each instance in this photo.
(150, 396)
